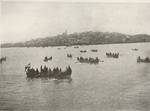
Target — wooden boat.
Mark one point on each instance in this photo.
(88, 60)
(2, 59)
(69, 55)
(145, 60)
(76, 47)
(47, 59)
(112, 55)
(45, 72)
(94, 50)
(135, 49)
(83, 51)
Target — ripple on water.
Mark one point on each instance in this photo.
(114, 85)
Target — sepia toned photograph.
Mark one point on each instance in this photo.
(74, 56)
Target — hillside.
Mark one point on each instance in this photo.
(84, 38)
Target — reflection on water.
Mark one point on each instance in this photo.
(56, 81)
(113, 85)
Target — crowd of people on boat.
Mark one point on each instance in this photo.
(83, 51)
(113, 55)
(146, 60)
(135, 49)
(76, 47)
(2, 59)
(47, 58)
(69, 55)
(94, 50)
(45, 71)
(88, 60)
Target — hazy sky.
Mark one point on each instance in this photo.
(23, 21)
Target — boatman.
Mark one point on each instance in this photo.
(27, 66)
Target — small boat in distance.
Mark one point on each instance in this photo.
(76, 47)
(69, 55)
(94, 50)
(2, 59)
(112, 55)
(145, 60)
(135, 49)
(88, 60)
(47, 59)
(83, 51)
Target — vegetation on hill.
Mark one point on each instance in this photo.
(84, 38)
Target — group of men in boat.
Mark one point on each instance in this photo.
(76, 47)
(139, 59)
(69, 55)
(135, 49)
(47, 58)
(2, 59)
(113, 55)
(56, 73)
(94, 50)
(83, 51)
(88, 60)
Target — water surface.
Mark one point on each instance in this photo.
(114, 85)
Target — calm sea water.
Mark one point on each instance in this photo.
(114, 85)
